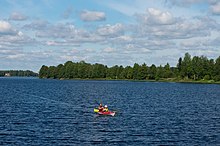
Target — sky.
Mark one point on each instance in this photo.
(111, 32)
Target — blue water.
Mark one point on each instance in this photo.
(54, 112)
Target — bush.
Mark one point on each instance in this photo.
(157, 78)
(206, 77)
(217, 78)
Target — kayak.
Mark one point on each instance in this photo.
(104, 113)
(107, 113)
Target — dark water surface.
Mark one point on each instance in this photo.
(54, 112)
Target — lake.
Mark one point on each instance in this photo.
(60, 112)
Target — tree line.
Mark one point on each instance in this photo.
(20, 73)
(187, 68)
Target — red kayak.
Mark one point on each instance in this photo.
(107, 113)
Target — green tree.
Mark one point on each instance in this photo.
(69, 70)
(119, 71)
(112, 72)
(51, 73)
(205, 67)
(130, 73)
(60, 71)
(82, 70)
(179, 65)
(159, 72)
(43, 72)
(196, 67)
(211, 68)
(167, 71)
(186, 66)
(142, 72)
(152, 72)
(99, 71)
(135, 71)
(124, 73)
(217, 69)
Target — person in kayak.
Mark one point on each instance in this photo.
(101, 108)
(105, 108)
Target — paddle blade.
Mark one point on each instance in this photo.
(96, 110)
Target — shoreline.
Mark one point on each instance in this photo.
(173, 80)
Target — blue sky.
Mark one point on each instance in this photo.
(49, 32)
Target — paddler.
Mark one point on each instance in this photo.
(105, 108)
(100, 107)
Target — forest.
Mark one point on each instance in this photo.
(19, 73)
(188, 68)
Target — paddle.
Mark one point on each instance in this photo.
(96, 110)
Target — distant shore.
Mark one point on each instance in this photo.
(188, 70)
(17, 73)
(174, 80)
(190, 81)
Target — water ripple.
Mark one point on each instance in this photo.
(53, 112)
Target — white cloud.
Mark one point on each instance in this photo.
(67, 35)
(17, 41)
(17, 16)
(156, 36)
(12, 38)
(125, 38)
(156, 17)
(58, 31)
(5, 51)
(216, 8)
(37, 25)
(51, 43)
(111, 30)
(215, 42)
(16, 56)
(64, 43)
(214, 5)
(181, 29)
(92, 16)
(120, 40)
(6, 28)
(11, 53)
(109, 50)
